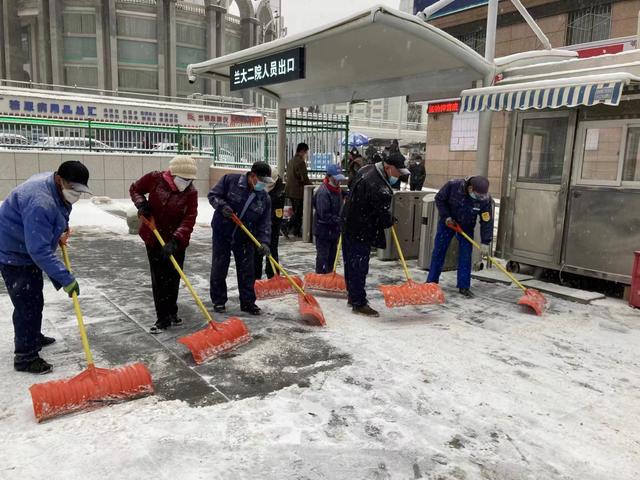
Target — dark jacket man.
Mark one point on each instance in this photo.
(297, 178)
(246, 196)
(366, 214)
(169, 198)
(461, 201)
(34, 218)
(418, 173)
(327, 203)
(277, 196)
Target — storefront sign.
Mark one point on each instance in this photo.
(277, 68)
(450, 106)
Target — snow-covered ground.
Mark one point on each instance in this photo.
(474, 389)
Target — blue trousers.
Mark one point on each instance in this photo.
(356, 267)
(24, 285)
(442, 241)
(326, 249)
(243, 253)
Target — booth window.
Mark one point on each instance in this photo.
(631, 167)
(542, 150)
(601, 155)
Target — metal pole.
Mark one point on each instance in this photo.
(532, 24)
(282, 140)
(484, 122)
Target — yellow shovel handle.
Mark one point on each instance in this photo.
(402, 260)
(186, 281)
(335, 262)
(491, 259)
(297, 287)
(79, 317)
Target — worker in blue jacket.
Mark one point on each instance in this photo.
(246, 196)
(34, 219)
(461, 201)
(327, 204)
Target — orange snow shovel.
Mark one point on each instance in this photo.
(215, 338)
(410, 293)
(327, 282)
(309, 307)
(275, 286)
(532, 298)
(92, 388)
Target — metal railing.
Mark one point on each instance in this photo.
(233, 147)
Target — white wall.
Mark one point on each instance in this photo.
(109, 174)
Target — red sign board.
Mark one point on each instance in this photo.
(452, 106)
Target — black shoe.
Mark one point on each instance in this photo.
(219, 308)
(466, 292)
(366, 310)
(176, 321)
(158, 328)
(37, 365)
(252, 309)
(45, 341)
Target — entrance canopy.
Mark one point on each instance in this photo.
(376, 53)
(568, 83)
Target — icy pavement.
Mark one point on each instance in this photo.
(474, 389)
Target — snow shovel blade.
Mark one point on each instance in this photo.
(216, 339)
(534, 299)
(412, 293)
(310, 310)
(325, 282)
(92, 388)
(275, 287)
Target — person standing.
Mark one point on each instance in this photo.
(460, 201)
(365, 216)
(171, 200)
(418, 173)
(246, 196)
(35, 219)
(327, 203)
(277, 196)
(297, 178)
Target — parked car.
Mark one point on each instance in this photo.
(13, 141)
(71, 143)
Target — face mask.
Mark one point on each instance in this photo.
(393, 180)
(333, 182)
(474, 195)
(70, 195)
(259, 186)
(181, 183)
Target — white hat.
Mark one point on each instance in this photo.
(183, 166)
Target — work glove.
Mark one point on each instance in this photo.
(64, 238)
(144, 210)
(450, 222)
(227, 211)
(264, 250)
(485, 249)
(71, 288)
(170, 248)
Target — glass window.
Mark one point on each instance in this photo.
(631, 168)
(84, 23)
(136, 27)
(81, 76)
(542, 150)
(187, 55)
(601, 154)
(475, 40)
(80, 49)
(191, 35)
(144, 53)
(144, 80)
(589, 24)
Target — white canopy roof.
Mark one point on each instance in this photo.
(376, 53)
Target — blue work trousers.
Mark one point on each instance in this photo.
(24, 284)
(243, 253)
(442, 241)
(356, 267)
(326, 250)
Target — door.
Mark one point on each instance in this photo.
(539, 183)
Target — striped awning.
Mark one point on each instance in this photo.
(566, 92)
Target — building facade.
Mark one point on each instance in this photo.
(591, 27)
(138, 46)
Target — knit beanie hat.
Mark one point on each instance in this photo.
(183, 166)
